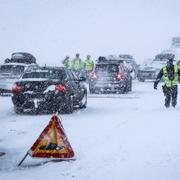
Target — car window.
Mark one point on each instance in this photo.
(47, 74)
(106, 68)
(12, 69)
(57, 74)
(43, 75)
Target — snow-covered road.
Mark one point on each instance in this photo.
(128, 138)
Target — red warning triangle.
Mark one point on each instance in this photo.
(53, 142)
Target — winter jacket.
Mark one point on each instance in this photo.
(77, 64)
(169, 75)
(66, 63)
(88, 65)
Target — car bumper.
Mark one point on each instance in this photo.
(44, 102)
(108, 86)
(147, 75)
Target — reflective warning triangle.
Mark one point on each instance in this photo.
(53, 142)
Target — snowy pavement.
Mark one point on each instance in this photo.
(130, 137)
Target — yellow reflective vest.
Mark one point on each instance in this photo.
(89, 65)
(77, 64)
(167, 81)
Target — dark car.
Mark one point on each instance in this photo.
(110, 76)
(49, 89)
(150, 69)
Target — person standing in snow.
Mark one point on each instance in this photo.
(77, 64)
(88, 65)
(170, 74)
(66, 62)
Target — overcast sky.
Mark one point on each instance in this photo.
(52, 29)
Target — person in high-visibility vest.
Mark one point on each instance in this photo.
(66, 62)
(77, 65)
(170, 74)
(88, 64)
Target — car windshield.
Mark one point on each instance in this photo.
(46, 74)
(35, 75)
(106, 68)
(12, 69)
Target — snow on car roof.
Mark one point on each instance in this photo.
(14, 64)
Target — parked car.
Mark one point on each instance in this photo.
(110, 75)
(150, 69)
(49, 89)
(13, 68)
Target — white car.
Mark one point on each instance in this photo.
(150, 69)
(11, 71)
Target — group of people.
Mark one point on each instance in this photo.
(78, 65)
(170, 74)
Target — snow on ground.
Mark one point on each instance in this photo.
(129, 138)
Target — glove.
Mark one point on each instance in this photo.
(155, 85)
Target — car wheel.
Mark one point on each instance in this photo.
(130, 85)
(69, 107)
(141, 79)
(91, 91)
(83, 102)
(18, 110)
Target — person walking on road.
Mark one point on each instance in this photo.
(170, 75)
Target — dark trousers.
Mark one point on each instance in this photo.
(170, 94)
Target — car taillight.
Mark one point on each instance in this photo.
(93, 75)
(61, 87)
(120, 76)
(16, 88)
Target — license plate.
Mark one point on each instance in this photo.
(36, 102)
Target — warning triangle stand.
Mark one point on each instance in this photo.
(52, 143)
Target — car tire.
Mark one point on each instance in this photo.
(69, 107)
(18, 110)
(130, 85)
(141, 79)
(83, 102)
(125, 90)
(91, 91)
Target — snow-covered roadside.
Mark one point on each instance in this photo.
(125, 138)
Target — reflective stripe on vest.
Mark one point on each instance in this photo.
(167, 81)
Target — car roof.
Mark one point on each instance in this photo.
(16, 64)
(99, 64)
(52, 67)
